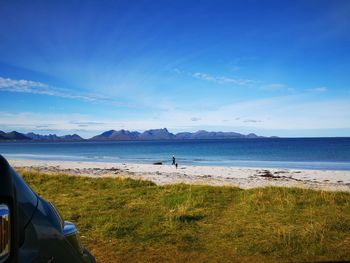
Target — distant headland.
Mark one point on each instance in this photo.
(152, 134)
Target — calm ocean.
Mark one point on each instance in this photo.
(301, 153)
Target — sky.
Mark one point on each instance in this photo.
(269, 67)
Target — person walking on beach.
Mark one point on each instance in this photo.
(173, 160)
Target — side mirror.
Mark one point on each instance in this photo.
(5, 232)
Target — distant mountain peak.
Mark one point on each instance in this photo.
(157, 134)
(13, 136)
(117, 135)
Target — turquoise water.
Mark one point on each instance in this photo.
(301, 153)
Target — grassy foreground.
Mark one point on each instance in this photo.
(124, 220)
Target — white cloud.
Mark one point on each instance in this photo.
(236, 81)
(240, 82)
(203, 76)
(21, 85)
(34, 87)
(222, 79)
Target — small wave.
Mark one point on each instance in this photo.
(40, 156)
(62, 157)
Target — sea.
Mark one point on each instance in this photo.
(294, 153)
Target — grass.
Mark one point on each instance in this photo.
(125, 220)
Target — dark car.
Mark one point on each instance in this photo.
(31, 229)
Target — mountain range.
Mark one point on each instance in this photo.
(164, 134)
(53, 137)
(153, 134)
(17, 136)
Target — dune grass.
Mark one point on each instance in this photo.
(124, 220)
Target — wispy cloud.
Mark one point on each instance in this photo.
(222, 79)
(8, 84)
(252, 121)
(236, 81)
(195, 119)
(35, 87)
(112, 98)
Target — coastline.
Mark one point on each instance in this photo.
(242, 177)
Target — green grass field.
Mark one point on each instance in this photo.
(124, 220)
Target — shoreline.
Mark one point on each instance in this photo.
(242, 177)
(258, 164)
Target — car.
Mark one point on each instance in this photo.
(31, 229)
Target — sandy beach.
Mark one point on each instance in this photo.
(210, 175)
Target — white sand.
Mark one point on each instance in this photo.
(211, 175)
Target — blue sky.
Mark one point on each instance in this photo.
(269, 67)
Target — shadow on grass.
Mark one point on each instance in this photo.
(189, 218)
